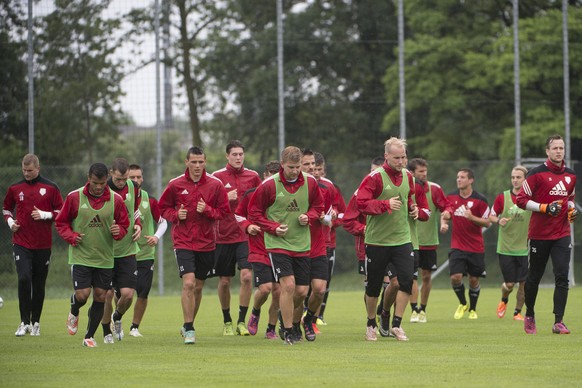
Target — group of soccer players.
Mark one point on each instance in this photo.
(280, 232)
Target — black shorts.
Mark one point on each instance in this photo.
(31, 262)
(427, 260)
(145, 276)
(87, 277)
(378, 259)
(320, 268)
(390, 272)
(262, 274)
(470, 263)
(229, 256)
(125, 272)
(513, 268)
(198, 263)
(285, 265)
(362, 267)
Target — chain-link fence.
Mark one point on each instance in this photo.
(490, 179)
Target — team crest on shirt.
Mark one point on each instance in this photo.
(470, 204)
(42, 191)
(568, 179)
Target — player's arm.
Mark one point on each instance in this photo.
(121, 216)
(261, 200)
(422, 203)
(368, 191)
(64, 220)
(167, 205)
(8, 208)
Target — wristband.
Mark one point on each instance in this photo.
(10, 222)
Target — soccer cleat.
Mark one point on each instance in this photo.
(253, 326)
(473, 314)
(271, 335)
(116, 328)
(289, 339)
(414, 317)
(384, 327)
(135, 332)
(422, 317)
(227, 330)
(108, 339)
(90, 343)
(560, 328)
(297, 332)
(501, 308)
(320, 322)
(309, 332)
(371, 334)
(23, 329)
(316, 329)
(189, 337)
(529, 325)
(241, 329)
(35, 329)
(399, 333)
(518, 317)
(461, 310)
(72, 324)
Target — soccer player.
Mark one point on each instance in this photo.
(511, 242)
(124, 251)
(428, 238)
(30, 207)
(193, 202)
(91, 219)
(467, 254)
(232, 247)
(259, 259)
(385, 196)
(549, 192)
(283, 206)
(338, 209)
(149, 214)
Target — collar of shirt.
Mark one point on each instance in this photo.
(557, 169)
(235, 170)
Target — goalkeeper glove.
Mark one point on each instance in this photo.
(572, 214)
(553, 209)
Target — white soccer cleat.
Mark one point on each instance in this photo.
(23, 329)
(135, 332)
(35, 330)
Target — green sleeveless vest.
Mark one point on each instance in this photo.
(512, 238)
(145, 252)
(96, 249)
(126, 246)
(285, 210)
(428, 231)
(390, 229)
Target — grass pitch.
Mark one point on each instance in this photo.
(443, 352)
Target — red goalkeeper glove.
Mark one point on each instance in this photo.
(553, 209)
(572, 214)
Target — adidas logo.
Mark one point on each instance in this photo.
(433, 266)
(84, 206)
(227, 186)
(280, 194)
(96, 222)
(293, 206)
(185, 192)
(460, 211)
(559, 189)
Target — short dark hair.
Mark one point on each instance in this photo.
(134, 167)
(272, 167)
(307, 151)
(417, 162)
(234, 144)
(469, 172)
(195, 150)
(378, 161)
(551, 139)
(319, 159)
(98, 170)
(120, 164)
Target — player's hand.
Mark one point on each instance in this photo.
(503, 221)
(15, 226)
(253, 229)
(137, 233)
(78, 239)
(468, 214)
(281, 230)
(444, 227)
(152, 240)
(114, 229)
(572, 214)
(395, 203)
(413, 213)
(36, 214)
(182, 213)
(446, 215)
(303, 219)
(200, 206)
(552, 209)
(232, 195)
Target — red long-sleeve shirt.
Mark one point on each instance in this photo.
(21, 199)
(257, 250)
(70, 210)
(197, 231)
